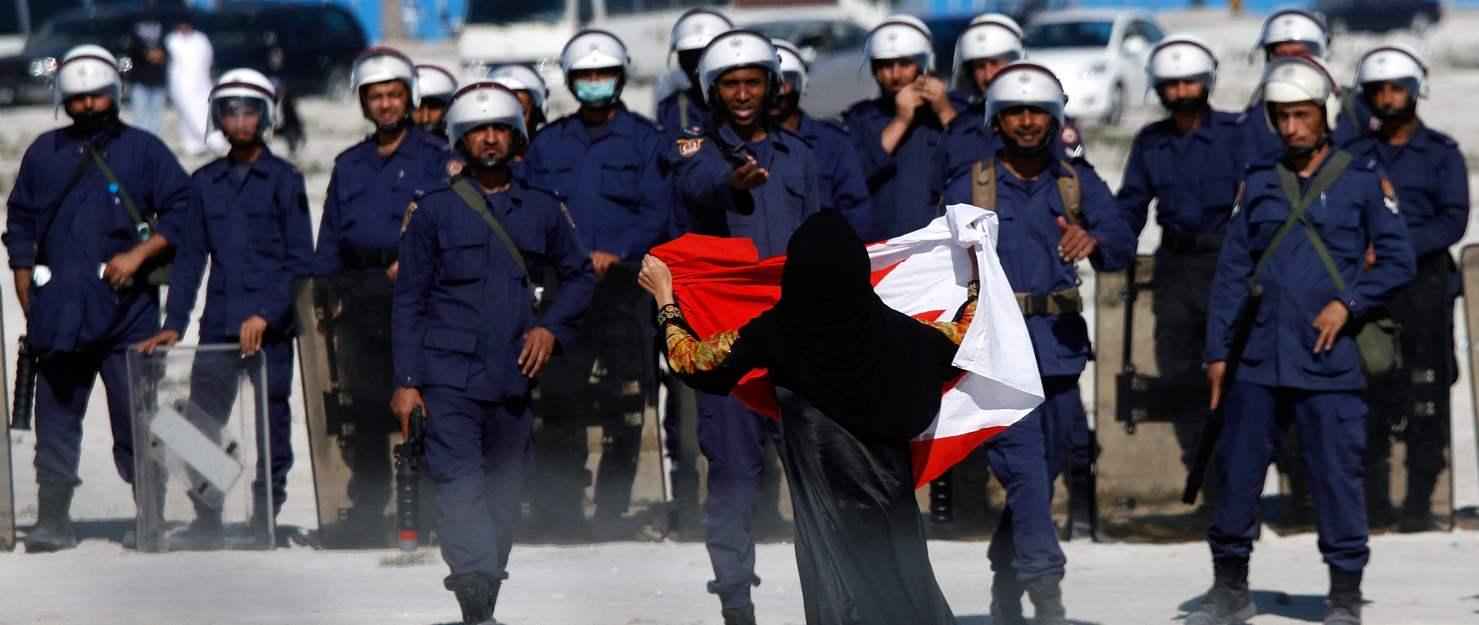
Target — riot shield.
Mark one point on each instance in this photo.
(598, 471)
(199, 423)
(344, 359)
(7, 480)
(1151, 397)
(1408, 485)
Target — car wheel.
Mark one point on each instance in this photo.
(1116, 110)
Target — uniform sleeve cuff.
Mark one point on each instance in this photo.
(407, 381)
(175, 325)
(22, 262)
(1353, 304)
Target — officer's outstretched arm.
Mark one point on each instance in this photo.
(702, 179)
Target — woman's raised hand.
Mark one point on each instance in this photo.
(656, 279)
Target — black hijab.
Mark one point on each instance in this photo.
(831, 339)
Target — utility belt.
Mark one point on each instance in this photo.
(1190, 243)
(1065, 302)
(361, 258)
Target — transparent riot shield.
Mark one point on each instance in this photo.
(1150, 397)
(201, 449)
(344, 358)
(598, 471)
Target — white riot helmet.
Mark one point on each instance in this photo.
(483, 103)
(793, 67)
(240, 90)
(1025, 84)
(1298, 79)
(902, 37)
(1395, 63)
(1294, 25)
(87, 69)
(593, 49)
(734, 50)
(695, 29)
(382, 64)
(434, 81)
(1182, 57)
(522, 78)
(990, 36)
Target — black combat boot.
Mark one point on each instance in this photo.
(53, 529)
(1228, 602)
(1047, 600)
(1345, 598)
(477, 595)
(1006, 599)
(739, 616)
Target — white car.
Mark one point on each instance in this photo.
(1098, 55)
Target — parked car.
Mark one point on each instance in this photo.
(1098, 55)
(1380, 15)
(309, 47)
(26, 77)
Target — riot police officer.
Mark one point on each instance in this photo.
(467, 342)
(839, 174)
(686, 108)
(533, 93)
(898, 132)
(603, 161)
(1188, 163)
(435, 85)
(744, 176)
(82, 248)
(1427, 168)
(1291, 268)
(985, 47)
(355, 262)
(1053, 215)
(248, 213)
(1290, 32)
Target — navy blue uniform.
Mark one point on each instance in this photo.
(368, 194)
(904, 198)
(681, 111)
(462, 308)
(1279, 378)
(841, 186)
(1432, 184)
(80, 325)
(731, 436)
(251, 220)
(608, 177)
(1193, 179)
(1025, 541)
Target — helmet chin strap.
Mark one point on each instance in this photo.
(1303, 152)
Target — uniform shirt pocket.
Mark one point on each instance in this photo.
(1340, 227)
(449, 354)
(464, 256)
(619, 183)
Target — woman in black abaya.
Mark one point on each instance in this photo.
(856, 381)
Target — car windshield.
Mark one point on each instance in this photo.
(1084, 34)
(502, 11)
(66, 34)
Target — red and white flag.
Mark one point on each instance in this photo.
(922, 274)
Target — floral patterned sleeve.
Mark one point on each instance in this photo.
(711, 365)
(955, 330)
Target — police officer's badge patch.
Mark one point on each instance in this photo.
(406, 221)
(689, 147)
(1389, 196)
(454, 167)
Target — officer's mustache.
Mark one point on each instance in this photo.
(1184, 105)
(90, 121)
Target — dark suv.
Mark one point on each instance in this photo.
(1380, 15)
(310, 48)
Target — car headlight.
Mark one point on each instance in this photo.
(43, 67)
(1099, 68)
